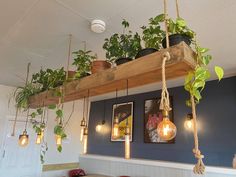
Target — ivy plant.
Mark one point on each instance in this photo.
(82, 61)
(124, 45)
(153, 34)
(195, 80)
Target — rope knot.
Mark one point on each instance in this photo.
(197, 154)
(166, 55)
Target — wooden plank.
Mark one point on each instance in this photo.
(139, 72)
(62, 166)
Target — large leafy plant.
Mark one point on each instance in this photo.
(153, 34)
(49, 78)
(124, 45)
(82, 61)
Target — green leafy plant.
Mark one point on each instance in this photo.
(153, 34)
(179, 26)
(195, 80)
(124, 45)
(22, 95)
(82, 61)
(49, 78)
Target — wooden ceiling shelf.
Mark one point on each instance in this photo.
(139, 72)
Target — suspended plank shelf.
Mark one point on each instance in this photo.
(139, 72)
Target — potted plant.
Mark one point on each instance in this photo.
(99, 65)
(122, 48)
(152, 36)
(82, 61)
(49, 78)
(178, 32)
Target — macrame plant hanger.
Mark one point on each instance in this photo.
(199, 168)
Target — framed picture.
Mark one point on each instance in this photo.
(152, 117)
(123, 112)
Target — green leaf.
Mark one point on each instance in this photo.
(219, 72)
(59, 148)
(188, 103)
(59, 113)
(39, 111)
(180, 22)
(203, 50)
(33, 115)
(197, 94)
(52, 106)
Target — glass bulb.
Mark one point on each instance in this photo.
(85, 140)
(42, 134)
(116, 130)
(58, 140)
(127, 143)
(166, 129)
(98, 128)
(188, 124)
(38, 138)
(81, 134)
(23, 139)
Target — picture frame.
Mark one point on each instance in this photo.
(152, 117)
(124, 113)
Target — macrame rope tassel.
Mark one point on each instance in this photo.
(199, 168)
(165, 102)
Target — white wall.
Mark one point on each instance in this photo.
(71, 147)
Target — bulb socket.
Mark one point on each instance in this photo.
(165, 114)
(116, 121)
(83, 123)
(189, 116)
(127, 130)
(85, 131)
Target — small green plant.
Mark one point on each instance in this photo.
(179, 26)
(22, 95)
(82, 61)
(195, 80)
(124, 45)
(153, 34)
(49, 78)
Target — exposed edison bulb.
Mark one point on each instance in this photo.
(127, 143)
(116, 132)
(23, 139)
(38, 138)
(42, 134)
(188, 124)
(81, 134)
(58, 140)
(85, 140)
(166, 129)
(99, 127)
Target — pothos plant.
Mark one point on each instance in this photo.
(125, 45)
(153, 34)
(82, 61)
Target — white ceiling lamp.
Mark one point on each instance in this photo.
(98, 26)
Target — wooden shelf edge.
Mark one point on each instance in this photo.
(139, 72)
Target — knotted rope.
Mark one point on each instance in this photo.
(199, 168)
(165, 102)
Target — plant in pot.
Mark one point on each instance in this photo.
(122, 48)
(100, 65)
(178, 32)
(82, 61)
(152, 36)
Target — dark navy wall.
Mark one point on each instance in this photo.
(216, 115)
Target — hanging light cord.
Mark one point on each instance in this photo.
(127, 93)
(83, 108)
(87, 105)
(72, 111)
(27, 117)
(165, 102)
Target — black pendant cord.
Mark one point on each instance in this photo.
(127, 93)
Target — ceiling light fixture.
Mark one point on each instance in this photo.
(24, 137)
(98, 26)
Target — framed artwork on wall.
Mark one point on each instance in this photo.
(123, 113)
(152, 117)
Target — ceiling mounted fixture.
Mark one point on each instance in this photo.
(98, 26)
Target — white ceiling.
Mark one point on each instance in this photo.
(38, 30)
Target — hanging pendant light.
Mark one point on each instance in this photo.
(166, 129)
(127, 143)
(115, 130)
(38, 138)
(100, 126)
(23, 139)
(127, 131)
(58, 140)
(82, 124)
(85, 140)
(188, 123)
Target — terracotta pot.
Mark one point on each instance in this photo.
(99, 65)
(71, 74)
